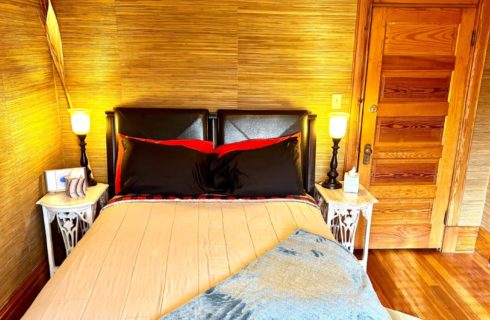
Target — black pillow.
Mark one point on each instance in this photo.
(160, 169)
(270, 171)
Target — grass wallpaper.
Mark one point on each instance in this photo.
(30, 139)
(476, 198)
(214, 54)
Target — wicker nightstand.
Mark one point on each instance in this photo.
(341, 212)
(71, 215)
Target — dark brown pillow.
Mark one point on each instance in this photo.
(270, 171)
(149, 168)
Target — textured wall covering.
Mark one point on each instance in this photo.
(485, 224)
(477, 177)
(29, 139)
(213, 54)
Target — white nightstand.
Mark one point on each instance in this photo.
(70, 215)
(341, 212)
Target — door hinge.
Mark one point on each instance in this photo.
(473, 38)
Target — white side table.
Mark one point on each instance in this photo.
(341, 212)
(70, 214)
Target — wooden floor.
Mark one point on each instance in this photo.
(431, 285)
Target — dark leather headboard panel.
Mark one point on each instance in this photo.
(162, 123)
(153, 123)
(239, 125)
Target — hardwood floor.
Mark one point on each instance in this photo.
(431, 285)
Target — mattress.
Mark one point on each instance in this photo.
(144, 258)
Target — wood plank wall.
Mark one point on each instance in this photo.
(476, 190)
(29, 139)
(284, 54)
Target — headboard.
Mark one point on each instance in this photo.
(152, 123)
(238, 125)
(225, 126)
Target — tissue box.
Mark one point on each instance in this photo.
(351, 183)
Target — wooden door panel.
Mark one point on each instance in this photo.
(408, 109)
(418, 63)
(400, 236)
(419, 87)
(402, 130)
(398, 192)
(418, 39)
(423, 16)
(424, 2)
(407, 152)
(399, 171)
(403, 211)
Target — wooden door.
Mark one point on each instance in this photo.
(415, 88)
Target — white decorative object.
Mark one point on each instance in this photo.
(72, 216)
(56, 179)
(76, 187)
(351, 181)
(342, 211)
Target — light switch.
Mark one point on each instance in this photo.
(336, 101)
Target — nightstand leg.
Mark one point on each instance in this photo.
(48, 218)
(103, 199)
(87, 217)
(367, 212)
(68, 223)
(343, 224)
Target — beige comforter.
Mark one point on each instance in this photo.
(142, 259)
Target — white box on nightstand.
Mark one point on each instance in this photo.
(351, 181)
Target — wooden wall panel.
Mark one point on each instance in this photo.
(29, 139)
(250, 54)
(476, 190)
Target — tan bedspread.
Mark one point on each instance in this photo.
(142, 259)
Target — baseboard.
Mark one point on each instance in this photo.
(459, 239)
(483, 243)
(23, 297)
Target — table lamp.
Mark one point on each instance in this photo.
(337, 128)
(80, 124)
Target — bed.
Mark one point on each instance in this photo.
(147, 255)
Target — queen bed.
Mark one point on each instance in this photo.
(149, 254)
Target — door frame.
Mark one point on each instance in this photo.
(477, 61)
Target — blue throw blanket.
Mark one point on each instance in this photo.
(304, 277)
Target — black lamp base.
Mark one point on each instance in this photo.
(90, 181)
(331, 182)
(84, 161)
(332, 185)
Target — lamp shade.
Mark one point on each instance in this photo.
(80, 121)
(338, 124)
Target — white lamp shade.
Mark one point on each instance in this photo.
(338, 124)
(80, 121)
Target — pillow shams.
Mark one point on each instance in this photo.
(270, 171)
(163, 169)
(199, 145)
